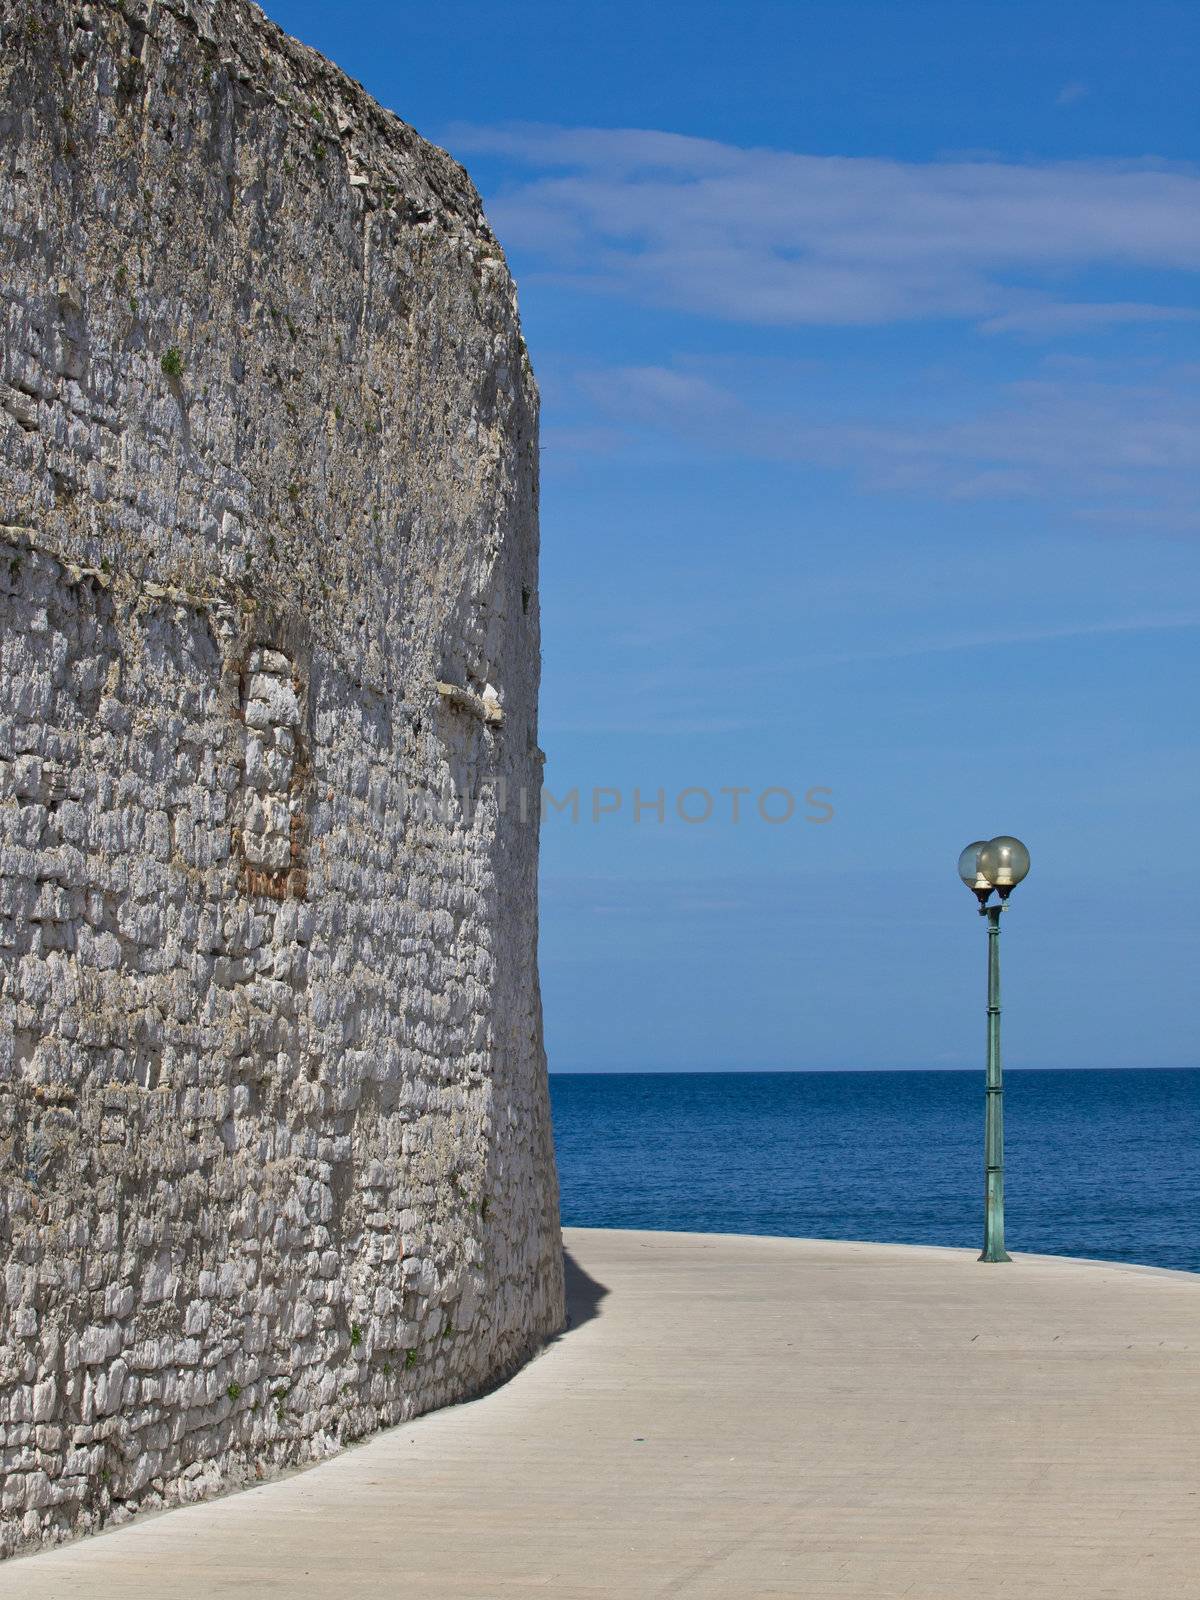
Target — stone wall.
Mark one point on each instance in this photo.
(274, 1137)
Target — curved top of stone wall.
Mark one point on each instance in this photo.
(282, 332)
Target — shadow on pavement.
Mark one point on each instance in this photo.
(584, 1294)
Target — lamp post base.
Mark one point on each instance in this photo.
(994, 1255)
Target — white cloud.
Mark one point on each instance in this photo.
(778, 238)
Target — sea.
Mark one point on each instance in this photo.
(1102, 1164)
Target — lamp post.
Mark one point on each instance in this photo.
(987, 867)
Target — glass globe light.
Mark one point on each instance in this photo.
(968, 868)
(1004, 861)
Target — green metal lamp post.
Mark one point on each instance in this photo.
(987, 867)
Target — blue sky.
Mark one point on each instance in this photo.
(868, 344)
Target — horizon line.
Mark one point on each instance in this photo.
(730, 1072)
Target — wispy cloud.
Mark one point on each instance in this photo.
(658, 391)
(1124, 448)
(1051, 319)
(779, 238)
(984, 639)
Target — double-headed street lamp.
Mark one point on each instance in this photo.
(987, 867)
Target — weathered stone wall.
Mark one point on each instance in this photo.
(274, 1135)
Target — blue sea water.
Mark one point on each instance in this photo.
(1103, 1164)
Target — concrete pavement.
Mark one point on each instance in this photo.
(736, 1418)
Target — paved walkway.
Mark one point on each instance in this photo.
(735, 1418)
